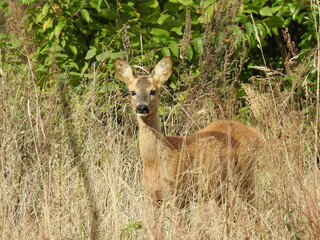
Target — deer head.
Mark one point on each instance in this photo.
(144, 89)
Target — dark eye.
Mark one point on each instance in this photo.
(153, 92)
(133, 93)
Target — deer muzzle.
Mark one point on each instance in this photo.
(142, 109)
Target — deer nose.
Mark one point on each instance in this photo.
(142, 109)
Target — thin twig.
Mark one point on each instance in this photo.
(136, 66)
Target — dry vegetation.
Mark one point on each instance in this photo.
(69, 172)
(65, 174)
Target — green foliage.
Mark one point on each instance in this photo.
(270, 16)
(77, 36)
(285, 32)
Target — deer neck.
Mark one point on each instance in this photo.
(151, 140)
(150, 123)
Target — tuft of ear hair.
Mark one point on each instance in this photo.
(162, 71)
(123, 71)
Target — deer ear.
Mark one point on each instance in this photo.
(162, 71)
(123, 71)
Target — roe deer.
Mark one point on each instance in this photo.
(198, 163)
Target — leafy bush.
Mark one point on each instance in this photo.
(217, 40)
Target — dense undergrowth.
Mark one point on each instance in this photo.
(69, 161)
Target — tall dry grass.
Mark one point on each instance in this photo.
(70, 167)
(68, 174)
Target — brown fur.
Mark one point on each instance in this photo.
(198, 163)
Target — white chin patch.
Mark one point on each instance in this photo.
(142, 115)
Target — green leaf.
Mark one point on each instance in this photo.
(197, 45)
(274, 21)
(300, 17)
(85, 14)
(59, 27)
(174, 48)
(250, 34)
(108, 14)
(207, 3)
(267, 28)
(43, 13)
(186, 2)
(249, 28)
(102, 56)
(165, 51)
(96, 4)
(117, 54)
(266, 11)
(172, 7)
(63, 43)
(277, 8)
(76, 74)
(262, 30)
(172, 85)
(177, 30)
(73, 64)
(251, 8)
(163, 18)
(275, 31)
(91, 53)
(160, 32)
(84, 69)
(151, 3)
(45, 9)
(51, 35)
(73, 49)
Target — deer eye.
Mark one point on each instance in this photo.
(133, 93)
(153, 92)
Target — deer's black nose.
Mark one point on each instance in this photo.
(142, 109)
